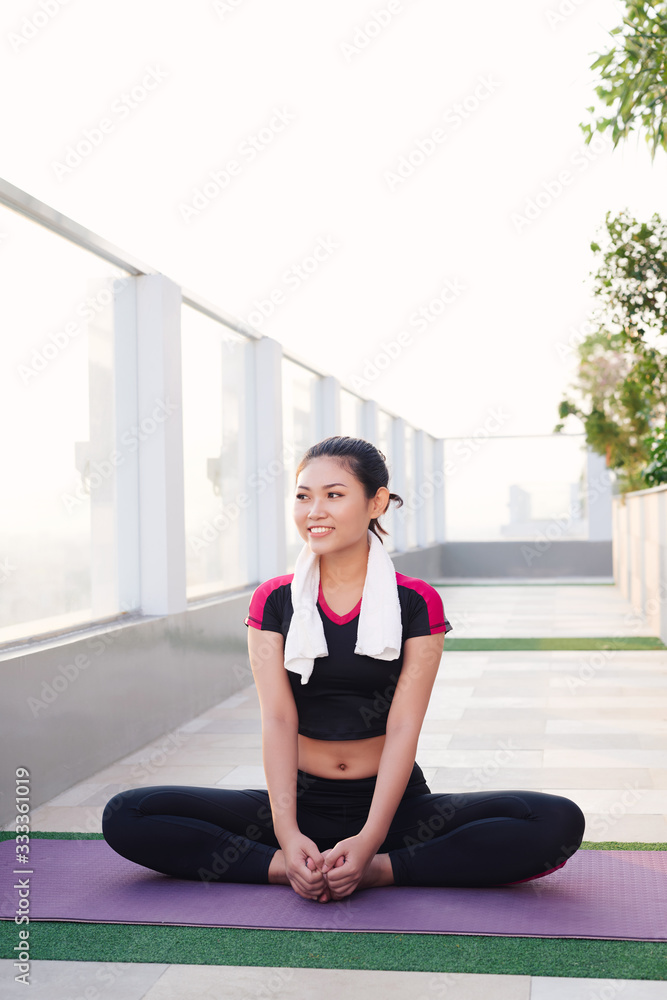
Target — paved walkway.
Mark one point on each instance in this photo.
(589, 725)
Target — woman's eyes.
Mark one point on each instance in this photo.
(332, 494)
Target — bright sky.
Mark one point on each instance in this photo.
(309, 112)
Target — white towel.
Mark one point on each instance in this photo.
(379, 632)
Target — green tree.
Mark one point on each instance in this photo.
(620, 389)
(634, 77)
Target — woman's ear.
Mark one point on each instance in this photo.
(380, 502)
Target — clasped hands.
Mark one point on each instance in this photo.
(330, 874)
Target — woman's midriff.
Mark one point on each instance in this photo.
(340, 758)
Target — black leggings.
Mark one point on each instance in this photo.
(465, 839)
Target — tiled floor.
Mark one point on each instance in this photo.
(589, 725)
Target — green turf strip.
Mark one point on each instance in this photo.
(523, 956)
(64, 940)
(561, 642)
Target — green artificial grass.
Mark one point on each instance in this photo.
(81, 942)
(580, 958)
(621, 643)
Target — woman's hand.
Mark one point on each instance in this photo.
(346, 864)
(303, 867)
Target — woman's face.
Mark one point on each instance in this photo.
(328, 496)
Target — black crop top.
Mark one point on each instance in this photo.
(347, 696)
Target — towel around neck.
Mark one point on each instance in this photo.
(379, 632)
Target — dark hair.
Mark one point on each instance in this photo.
(363, 460)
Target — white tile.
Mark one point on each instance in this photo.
(627, 828)
(605, 758)
(50, 980)
(593, 725)
(616, 802)
(246, 776)
(565, 988)
(194, 982)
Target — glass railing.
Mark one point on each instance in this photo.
(504, 488)
(66, 441)
(216, 486)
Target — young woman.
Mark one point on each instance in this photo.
(344, 652)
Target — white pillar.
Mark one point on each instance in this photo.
(419, 500)
(127, 469)
(270, 502)
(160, 446)
(327, 414)
(439, 494)
(369, 421)
(598, 482)
(399, 482)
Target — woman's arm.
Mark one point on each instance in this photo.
(421, 660)
(279, 753)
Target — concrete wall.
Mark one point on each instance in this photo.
(526, 559)
(72, 707)
(640, 554)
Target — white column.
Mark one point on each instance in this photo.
(398, 483)
(159, 438)
(598, 480)
(369, 421)
(439, 495)
(419, 500)
(100, 460)
(328, 407)
(126, 421)
(270, 506)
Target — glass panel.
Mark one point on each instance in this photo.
(299, 434)
(216, 494)
(350, 414)
(60, 454)
(385, 425)
(523, 487)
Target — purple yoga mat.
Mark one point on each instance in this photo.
(597, 894)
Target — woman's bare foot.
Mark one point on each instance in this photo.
(379, 872)
(278, 876)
